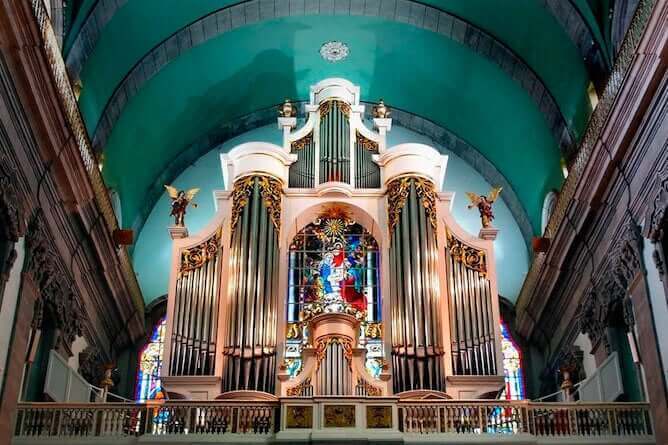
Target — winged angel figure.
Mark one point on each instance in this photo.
(180, 201)
(484, 205)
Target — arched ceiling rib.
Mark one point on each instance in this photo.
(475, 67)
(249, 12)
(466, 93)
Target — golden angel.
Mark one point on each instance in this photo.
(180, 201)
(484, 205)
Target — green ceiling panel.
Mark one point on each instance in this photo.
(258, 65)
(524, 25)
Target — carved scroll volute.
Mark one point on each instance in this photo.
(197, 256)
(470, 257)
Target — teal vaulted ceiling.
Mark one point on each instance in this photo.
(509, 78)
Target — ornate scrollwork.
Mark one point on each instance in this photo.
(427, 194)
(196, 257)
(302, 389)
(270, 190)
(397, 195)
(53, 283)
(373, 330)
(326, 107)
(322, 343)
(470, 257)
(367, 389)
(398, 191)
(300, 144)
(366, 143)
(293, 331)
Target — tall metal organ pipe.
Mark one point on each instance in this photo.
(250, 344)
(473, 344)
(417, 352)
(196, 309)
(334, 142)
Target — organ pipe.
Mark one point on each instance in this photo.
(334, 142)
(473, 345)
(367, 172)
(302, 172)
(417, 352)
(196, 309)
(250, 344)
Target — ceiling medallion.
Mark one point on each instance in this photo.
(334, 51)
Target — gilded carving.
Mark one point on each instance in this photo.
(470, 257)
(293, 331)
(427, 194)
(196, 257)
(300, 144)
(397, 195)
(302, 389)
(326, 107)
(366, 143)
(366, 388)
(322, 343)
(299, 416)
(339, 416)
(270, 190)
(378, 416)
(373, 330)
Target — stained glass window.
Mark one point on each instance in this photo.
(512, 366)
(333, 268)
(150, 364)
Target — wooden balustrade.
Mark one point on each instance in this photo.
(514, 417)
(152, 418)
(416, 417)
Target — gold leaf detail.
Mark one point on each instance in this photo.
(196, 257)
(470, 257)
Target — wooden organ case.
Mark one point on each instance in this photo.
(333, 267)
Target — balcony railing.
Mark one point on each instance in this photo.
(616, 422)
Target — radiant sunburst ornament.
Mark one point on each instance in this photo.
(334, 228)
(334, 51)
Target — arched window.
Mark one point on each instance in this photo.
(548, 207)
(333, 268)
(150, 364)
(512, 366)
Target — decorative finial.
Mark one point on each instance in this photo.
(180, 201)
(287, 109)
(381, 111)
(484, 205)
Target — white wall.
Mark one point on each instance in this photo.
(8, 309)
(659, 307)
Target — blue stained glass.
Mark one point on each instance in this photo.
(150, 364)
(512, 366)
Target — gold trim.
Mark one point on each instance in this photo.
(427, 194)
(300, 389)
(322, 343)
(339, 416)
(470, 257)
(369, 389)
(397, 196)
(300, 144)
(270, 190)
(326, 107)
(196, 257)
(365, 142)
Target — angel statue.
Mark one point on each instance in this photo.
(180, 201)
(484, 205)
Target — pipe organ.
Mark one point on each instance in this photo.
(195, 320)
(332, 267)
